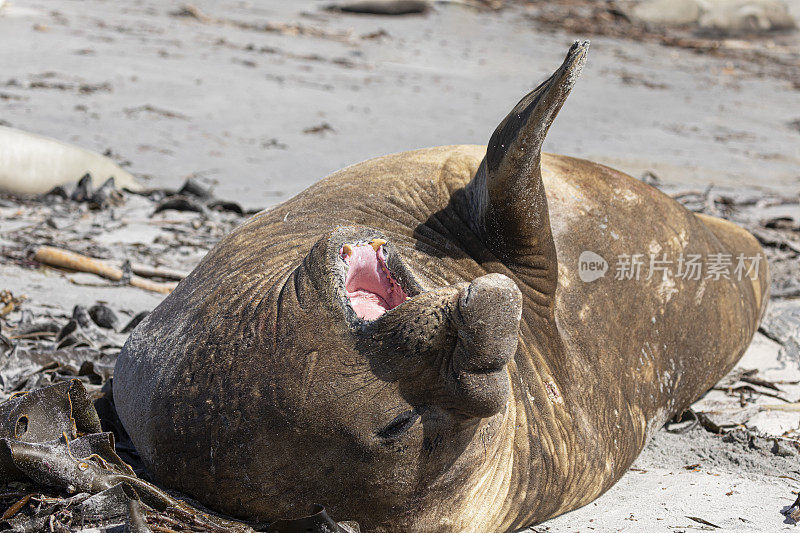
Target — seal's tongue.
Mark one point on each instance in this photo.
(369, 284)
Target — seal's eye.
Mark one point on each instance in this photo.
(369, 284)
(401, 424)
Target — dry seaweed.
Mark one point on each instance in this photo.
(52, 444)
(779, 236)
(749, 53)
(183, 226)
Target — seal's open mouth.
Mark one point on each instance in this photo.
(369, 284)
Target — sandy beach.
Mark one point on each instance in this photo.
(255, 101)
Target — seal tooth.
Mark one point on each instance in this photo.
(387, 274)
(376, 243)
(347, 250)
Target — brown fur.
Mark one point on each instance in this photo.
(505, 392)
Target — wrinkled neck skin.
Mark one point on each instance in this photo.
(542, 436)
(497, 472)
(514, 441)
(525, 460)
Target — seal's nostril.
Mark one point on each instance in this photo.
(489, 313)
(21, 427)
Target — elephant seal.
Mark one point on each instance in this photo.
(383, 7)
(409, 342)
(33, 164)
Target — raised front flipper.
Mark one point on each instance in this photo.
(507, 199)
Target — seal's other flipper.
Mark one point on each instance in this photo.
(507, 198)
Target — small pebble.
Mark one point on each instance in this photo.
(68, 329)
(83, 192)
(193, 188)
(134, 322)
(103, 316)
(81, 315)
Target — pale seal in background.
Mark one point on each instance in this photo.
(33, 164)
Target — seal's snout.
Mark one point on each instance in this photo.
(489, 311)
(466, 332)
(487, 322)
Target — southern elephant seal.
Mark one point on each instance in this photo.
(409, 341)
(383, 7)
(33, 164)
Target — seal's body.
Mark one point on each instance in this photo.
(411, 341)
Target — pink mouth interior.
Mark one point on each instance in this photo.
(369, 285)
